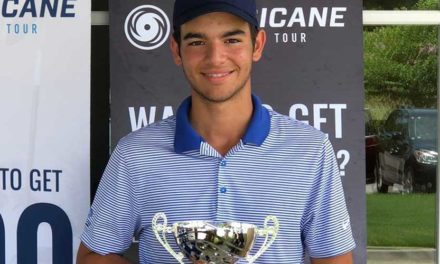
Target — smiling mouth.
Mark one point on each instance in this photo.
(217, 75)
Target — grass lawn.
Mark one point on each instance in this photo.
(401, 220)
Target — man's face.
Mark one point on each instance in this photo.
(216, 54)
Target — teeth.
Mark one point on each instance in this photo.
(216, 75)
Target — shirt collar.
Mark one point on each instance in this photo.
(186, 138)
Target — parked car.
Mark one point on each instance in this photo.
(371, 144)
(408, 151)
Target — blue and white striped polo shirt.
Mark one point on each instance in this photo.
(280, 167)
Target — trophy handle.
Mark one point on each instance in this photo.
(267, 231)
(164, 229)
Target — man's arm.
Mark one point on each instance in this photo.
(342, 259)
(86, 256)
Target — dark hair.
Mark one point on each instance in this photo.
(254, 31)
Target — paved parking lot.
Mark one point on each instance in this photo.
(371, 188)
(400, 255)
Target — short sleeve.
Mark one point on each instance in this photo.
(326, 229)
(111, 222)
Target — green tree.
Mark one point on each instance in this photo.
(401, 63)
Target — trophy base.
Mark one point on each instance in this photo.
(208, 253)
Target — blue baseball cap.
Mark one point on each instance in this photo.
(185, 10)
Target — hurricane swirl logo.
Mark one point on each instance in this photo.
(147, 27)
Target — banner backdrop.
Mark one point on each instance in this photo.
(312, 70)
(45, 129)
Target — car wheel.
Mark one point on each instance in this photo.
(381, 186)
(408, 181)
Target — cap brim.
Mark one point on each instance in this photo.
(218, 7)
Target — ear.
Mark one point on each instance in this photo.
(175, 51)
(260, 42)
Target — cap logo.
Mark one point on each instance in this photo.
(147, 27)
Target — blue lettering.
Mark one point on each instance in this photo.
(13, 181)
(4, 170)
(66, 6)
(2, 242)
(17, 28)
(46, 180)
(57, 179)
(5, 9)
(29, 6)
(34, 8)
(35, 185)
(62, 238)
(46, 5)
(21, 29)
(42, 181)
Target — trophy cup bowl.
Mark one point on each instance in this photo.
(211, 242)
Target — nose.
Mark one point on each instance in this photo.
(216, 53)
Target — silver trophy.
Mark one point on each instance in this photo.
(214, 242)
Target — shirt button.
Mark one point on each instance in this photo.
(223, 189)
(223, 162)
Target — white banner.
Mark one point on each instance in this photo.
(45, 129)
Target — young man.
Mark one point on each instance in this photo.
(223, 157)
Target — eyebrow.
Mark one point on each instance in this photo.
(225, 35)
(233, 33)
(192, 35)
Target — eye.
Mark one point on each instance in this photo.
(232, 41)
(196, 43)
